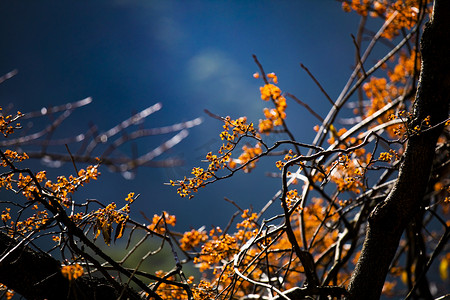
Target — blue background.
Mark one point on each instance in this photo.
(189, 55)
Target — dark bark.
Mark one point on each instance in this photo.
(36, 275)
(390, 218)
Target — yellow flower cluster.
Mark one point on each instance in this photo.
(248, 154)
(249, 221)
(5, 215)
(204, 290)
(6, 181)
(390, 156)
(27, 186)
(6, 123)
(130, 198)
(274, 116)
(233, 131)
(361, 8)
(404, 67)
(218, 247)
(65, 186)
(290, 155)
(158, 222)
(407, 15)
(405, 12)
(385, 156)
(72, 272)
(270, 91)
(192, 239)
(380, 91)
(34, 222)
(291, 198)
(13, 157)
(215, 250)
(347, 173)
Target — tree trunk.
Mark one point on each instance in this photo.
(389, 219)
(36, 275)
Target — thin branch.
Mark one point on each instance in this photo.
(8, 75)
(318, 84)
(305, 106)
(358, 56)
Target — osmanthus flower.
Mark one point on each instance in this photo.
(273, 77)
(265, 126)
(249, 153)
(402, 14)
(292, 197)
(273, 116)
(249, 220)
(406, 66)
(72, 272)
(215, 250)
(269, 91)
(7, 125)
(385, 156)
(233, 131)
(5, 215)
(192, 239)
(348, 173)
(31, 223)
(13, 157)
(130, 198)
(65, 186)
(159, 222)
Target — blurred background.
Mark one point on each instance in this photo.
(190, 56)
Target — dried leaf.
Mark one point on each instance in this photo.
(120, 228)
(106, 232)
